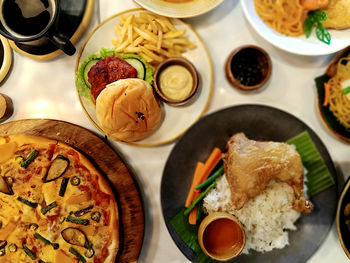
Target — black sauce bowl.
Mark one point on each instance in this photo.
(248, 67)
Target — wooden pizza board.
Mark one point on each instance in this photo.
(131, 215)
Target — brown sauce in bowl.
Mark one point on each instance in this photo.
(222, 236)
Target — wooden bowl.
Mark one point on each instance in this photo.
(327, 117)
(181, 62)
(248, 67)
(342, 230)
(210, 225)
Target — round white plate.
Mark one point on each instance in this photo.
(179, 10)
(297, 45)
(176, 119)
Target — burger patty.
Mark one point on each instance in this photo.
(107, 71)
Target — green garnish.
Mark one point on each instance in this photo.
(27, 202)
(77, 254)
(189, 234)
(199, 211)
(46, 241)
(315, 19)
(30, 253)
(30, 158)
(78, 221)
(47, 208)
(318, 176)
(346, 90)
(63, 188)
(211, 178)
(199, 198)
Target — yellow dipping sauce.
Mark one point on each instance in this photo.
(175, 82)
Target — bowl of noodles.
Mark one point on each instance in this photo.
(288, 25)
(333, 90)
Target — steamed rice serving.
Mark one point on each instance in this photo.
(265, 217)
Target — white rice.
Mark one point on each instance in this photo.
(265, 218)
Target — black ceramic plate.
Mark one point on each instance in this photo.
(259, 123)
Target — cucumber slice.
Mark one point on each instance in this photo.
(139, 66)
(87, 69)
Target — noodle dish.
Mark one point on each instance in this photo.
(305, 27)
(333, 90)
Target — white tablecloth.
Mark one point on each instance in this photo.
(46, 90)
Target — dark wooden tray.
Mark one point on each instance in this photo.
(126, 191)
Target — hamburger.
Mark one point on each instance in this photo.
(98, 70)
(127, 109)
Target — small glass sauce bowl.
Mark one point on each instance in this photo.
(171, 62)
(221, 236)
(248, 67)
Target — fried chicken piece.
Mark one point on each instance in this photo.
(250, 165)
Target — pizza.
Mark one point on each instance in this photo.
(55, 206)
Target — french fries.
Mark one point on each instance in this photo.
(152, 36)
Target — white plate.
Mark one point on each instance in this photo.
(176, 119)
(297, 45)
(179, 10)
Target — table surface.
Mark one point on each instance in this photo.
(45, 89)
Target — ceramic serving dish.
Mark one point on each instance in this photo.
(179, 61)
(248, 67)
(179, 9)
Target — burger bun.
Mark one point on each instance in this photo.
(127, 110)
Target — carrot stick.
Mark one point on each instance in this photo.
(326, 94)
(210, 164)
(201, 174)
(195, 181)
(192, 217)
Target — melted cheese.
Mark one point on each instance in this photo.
(7, 150)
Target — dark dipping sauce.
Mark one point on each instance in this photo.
(248, 66)
(222, 236)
